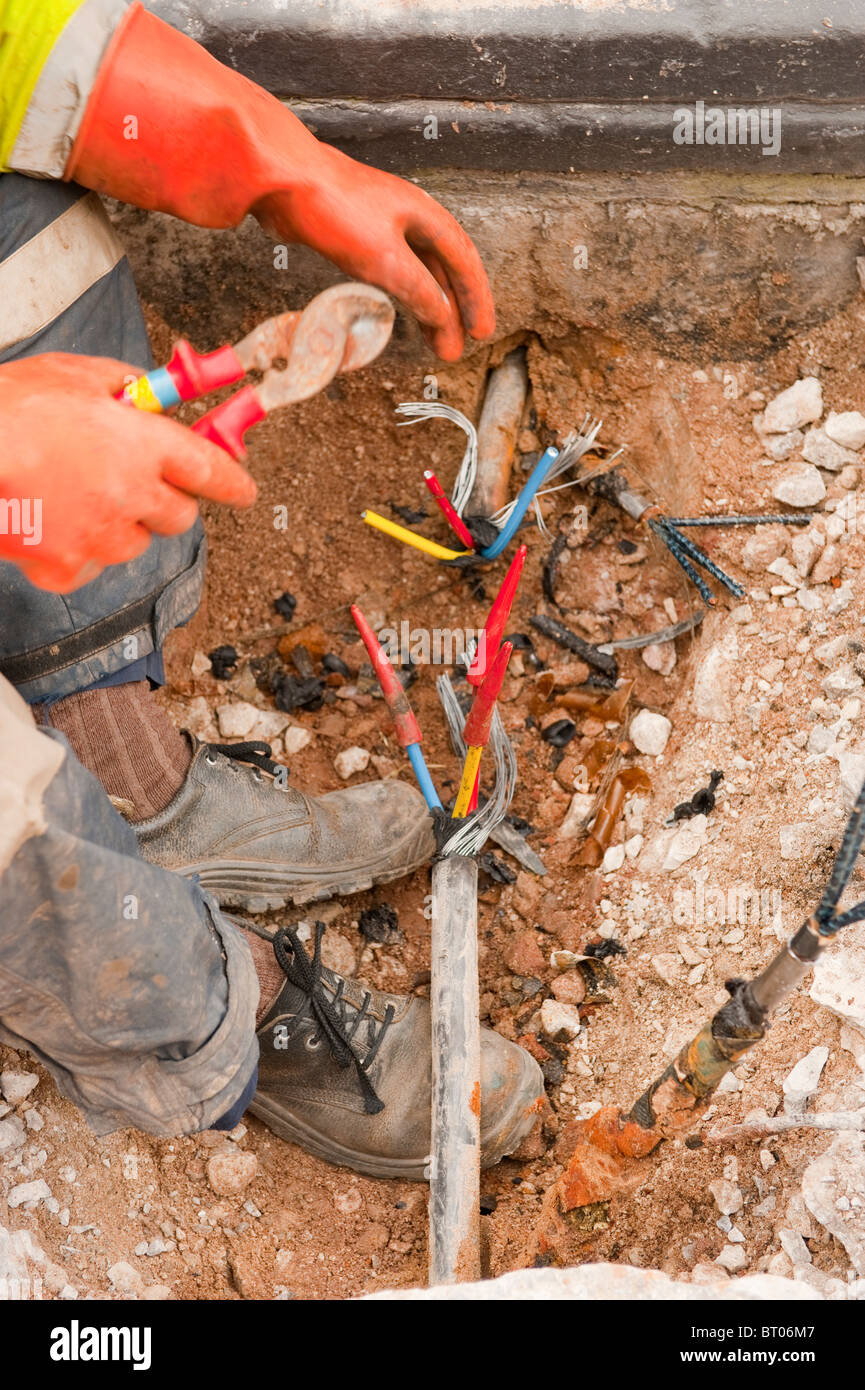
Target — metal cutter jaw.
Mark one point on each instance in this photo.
(340, 330)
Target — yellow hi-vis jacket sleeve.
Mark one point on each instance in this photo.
(29, 30)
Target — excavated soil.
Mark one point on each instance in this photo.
(303, 1229)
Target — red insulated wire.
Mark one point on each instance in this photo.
(447, 508)
(497, 621)
(476, 732)
(407, 727)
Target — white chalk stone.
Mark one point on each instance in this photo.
(800, 487)
(350, 761)
(836, 1174)
(819, 449)
(799, 405)
(802, 1082)
(846, 428)
(559, 1019)
(17, 1085)
(649, 732)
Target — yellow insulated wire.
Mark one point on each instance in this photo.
(467, 784)
(402, 533)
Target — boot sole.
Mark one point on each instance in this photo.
(257, 889)
(512, 1130)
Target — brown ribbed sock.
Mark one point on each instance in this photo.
(122, 734)
(270, 976)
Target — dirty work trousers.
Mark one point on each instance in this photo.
(123, 979)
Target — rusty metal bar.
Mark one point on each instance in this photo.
(455, 1159)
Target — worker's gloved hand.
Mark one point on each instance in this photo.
(382, 229)
(167, 127)
(88, 481)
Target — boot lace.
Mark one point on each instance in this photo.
(335, 1024)
(253, 752)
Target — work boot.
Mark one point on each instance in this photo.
(345, 1072)
(258, 844)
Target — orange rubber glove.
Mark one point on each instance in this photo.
(167, 127)
(93, 480)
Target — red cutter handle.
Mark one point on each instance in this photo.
(227, 423)
(198, 373)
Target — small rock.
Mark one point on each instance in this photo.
(348, 1202)
(819, 449)
(350, 761)
(764, 546)
(124, 1278)
(559, 1020)
(523, 955)
(830, 1178)
(33, 1120)
(803, 1080)
(199, 667)
(846, 428)
(842, 681)
(794, 1247)
(613, 859)
(781, 446)
(338, 954)
(230, 1171)
(828, 565)
(732, 1258)
(569, 988)
(685, 844)
(17, 1085)
(805, 547)
(712, 697)
(236, 718)
(767, 1160)
(660, 657)
(649, 732)
(12, 1134)
(666, 966)
(851, 774)
(728, 1196)
(828, 652)
(839, 978)
(27, 1192)
(580, 807)
(799, 405)
(295, 738)
(800, 487)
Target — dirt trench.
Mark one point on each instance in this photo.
(302, 1229)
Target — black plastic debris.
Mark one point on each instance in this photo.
(410, 515)
(380, 924)
(626, 547)
(266, 670)
(482, 531)
(222, 662)
(496, 868)
(334, 665)
(608, 947)
(572, 642)
(488, 1204)
(701, 803)
(285, 606)
(291, 693)
(554, 1071)
(560, 733)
